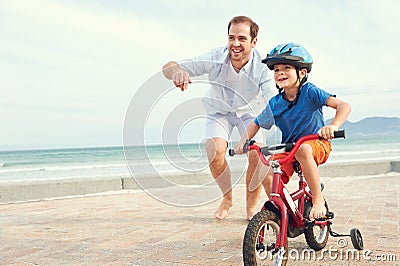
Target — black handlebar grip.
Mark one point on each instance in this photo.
(339, 134)
(231, 152)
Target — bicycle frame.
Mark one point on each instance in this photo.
(282, 199)
(281, 210)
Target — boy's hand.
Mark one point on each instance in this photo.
(327, 132)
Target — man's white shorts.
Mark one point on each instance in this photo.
(221, 126)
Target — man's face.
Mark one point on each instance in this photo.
(240, 42)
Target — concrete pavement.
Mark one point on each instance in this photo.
(129, 227)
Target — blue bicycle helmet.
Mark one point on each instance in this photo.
(289, 53)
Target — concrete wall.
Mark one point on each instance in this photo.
(355, 169)
(395, 166)
(24, 191)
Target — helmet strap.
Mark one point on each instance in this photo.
(279, 88)
(303, 80)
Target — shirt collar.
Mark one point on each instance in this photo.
(247, 65)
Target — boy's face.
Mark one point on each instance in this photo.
(286, 76)
(240, 43)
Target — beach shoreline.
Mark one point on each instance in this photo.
(20, 191)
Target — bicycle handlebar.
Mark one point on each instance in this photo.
(339, 134)
(246, 146)
(280, 148)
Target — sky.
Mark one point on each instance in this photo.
(69, 69)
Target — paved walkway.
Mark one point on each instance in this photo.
(132, 228)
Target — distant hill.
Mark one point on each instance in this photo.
(373, 126)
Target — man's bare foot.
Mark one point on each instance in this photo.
(318, 210)
(223, 209)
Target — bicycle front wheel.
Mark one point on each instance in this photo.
(259, 243)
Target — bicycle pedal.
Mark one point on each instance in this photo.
(330, 215)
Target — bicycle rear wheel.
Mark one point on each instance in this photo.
(260, 239)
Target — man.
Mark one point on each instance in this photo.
(239, 82)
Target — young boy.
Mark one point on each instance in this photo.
(297, 111)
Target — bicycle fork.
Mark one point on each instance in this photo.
(284, 202)
(275, 198)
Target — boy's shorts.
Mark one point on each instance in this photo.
(321, 149)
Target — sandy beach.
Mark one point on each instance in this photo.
(129, 227)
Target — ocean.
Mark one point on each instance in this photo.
(97, 162)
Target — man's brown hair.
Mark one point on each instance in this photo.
(244, 19)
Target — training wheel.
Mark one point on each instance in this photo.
(356, 239)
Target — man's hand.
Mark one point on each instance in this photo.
(238, 148)
(181, 79)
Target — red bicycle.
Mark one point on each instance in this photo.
(265, 239)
